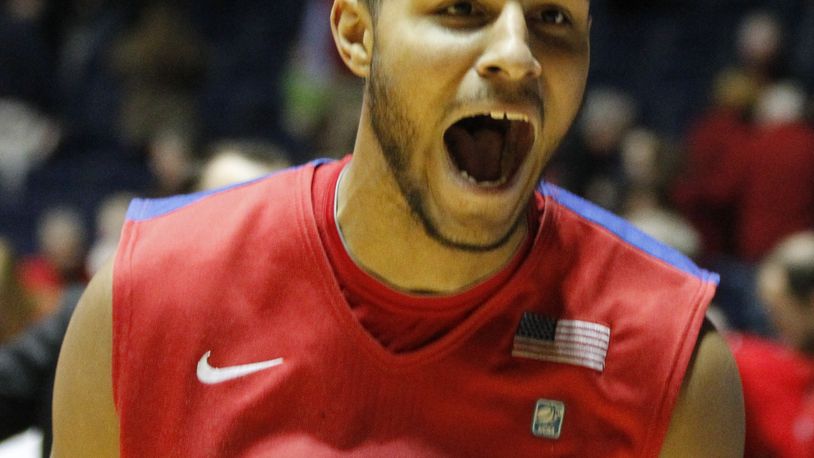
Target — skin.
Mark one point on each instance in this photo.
(84, 416)
(404, 213)
(708, 419)
(460, 65)
(790, 315)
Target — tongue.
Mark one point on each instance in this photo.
(478, 152)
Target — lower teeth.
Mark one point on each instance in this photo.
(486, 184)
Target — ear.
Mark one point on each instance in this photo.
(352, 28)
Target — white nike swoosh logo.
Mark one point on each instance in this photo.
(212, 375)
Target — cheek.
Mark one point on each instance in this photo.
(785, 317)
(430, 60)
(573, 77)
(565, 73)
(562, 95)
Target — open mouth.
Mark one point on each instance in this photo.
(488, 149)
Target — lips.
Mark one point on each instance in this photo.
(488, 149)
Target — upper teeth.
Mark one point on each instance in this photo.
(503, 115)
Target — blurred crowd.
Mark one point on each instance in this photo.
(737, 180)
(698, 126)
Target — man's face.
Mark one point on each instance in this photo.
(790, 315)
(468, 100)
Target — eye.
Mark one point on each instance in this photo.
(461, 9)
(463, 15)
(553, 17)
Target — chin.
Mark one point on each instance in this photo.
(478, 229)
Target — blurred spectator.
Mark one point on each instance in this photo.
(667, 227)
(16, 307)
(643, 159)
(171, 159)
(775, 190)
(778, 377)
(760, 47)
(238, 161)
(648, 165)
(749, 187)
(591, 164)
(60, 262)
(702, 192)
(27, 137)
(109, 220)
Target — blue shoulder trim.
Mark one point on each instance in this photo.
(625, 231)
(146, 209)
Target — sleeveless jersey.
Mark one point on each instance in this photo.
(231, 337)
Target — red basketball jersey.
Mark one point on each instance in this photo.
(232, 337)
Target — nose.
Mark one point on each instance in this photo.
(508, 55)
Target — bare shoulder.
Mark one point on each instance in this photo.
(708, 420)
(85, 421)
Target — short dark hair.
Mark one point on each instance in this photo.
(795, 256)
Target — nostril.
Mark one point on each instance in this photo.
(514, 66)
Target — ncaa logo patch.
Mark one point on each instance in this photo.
(547, 421)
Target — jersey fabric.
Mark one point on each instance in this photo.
(399, 322)
(233, 337)
(778, 395)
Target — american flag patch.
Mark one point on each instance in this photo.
(580, 343)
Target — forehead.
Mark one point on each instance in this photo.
(579, 10)
(525, 3)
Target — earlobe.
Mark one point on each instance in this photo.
(353, 34)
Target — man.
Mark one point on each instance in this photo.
(778, 377)
(417, 299)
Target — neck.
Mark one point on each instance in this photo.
(386, 239)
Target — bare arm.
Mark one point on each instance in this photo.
(708, 420)
(85, 421)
